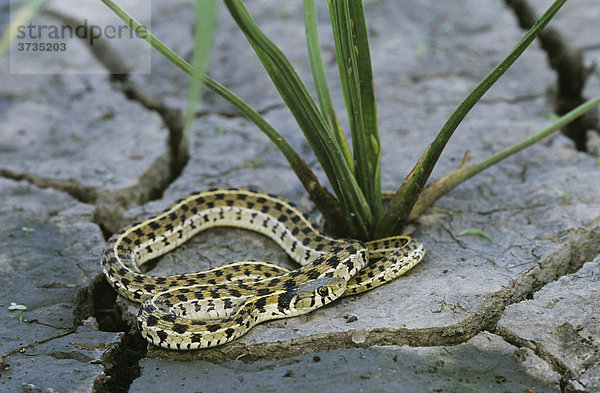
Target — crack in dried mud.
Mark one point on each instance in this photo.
(6, 366)
(570, 70)
(566, 375)
(77, 191)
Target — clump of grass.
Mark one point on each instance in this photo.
(354, 207)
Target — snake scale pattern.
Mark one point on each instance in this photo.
(212, 307)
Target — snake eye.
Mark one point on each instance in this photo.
(322, 291)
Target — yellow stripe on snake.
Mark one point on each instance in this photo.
(213, 307)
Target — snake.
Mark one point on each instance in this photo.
(212, 307)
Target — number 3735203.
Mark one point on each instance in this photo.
(41, 46)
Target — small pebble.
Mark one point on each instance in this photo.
(351, 318)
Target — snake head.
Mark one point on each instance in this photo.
(317, 293)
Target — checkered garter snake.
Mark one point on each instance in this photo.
(213, 307)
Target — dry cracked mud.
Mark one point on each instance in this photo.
(83, 155)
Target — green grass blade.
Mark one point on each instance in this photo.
(320, 79)
(348, 67)
(476, 232)
(354, 62)
(396, 214)
(367, 101)
(26, 12)
(442, 186)
(331, 209)
(310, 120)
(206, 16)
(287, 82)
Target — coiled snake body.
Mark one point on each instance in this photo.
(212, 307)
